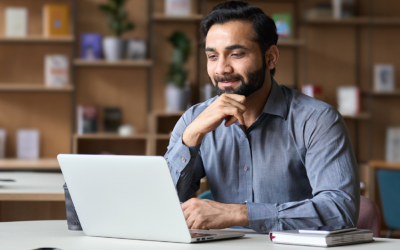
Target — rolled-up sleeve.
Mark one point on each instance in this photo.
(184, 162)
(333, 174)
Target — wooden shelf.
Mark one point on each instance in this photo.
(163, 136)
(26, 164)
(38, 39)
(21, 87)
(110, 136)
(384, 164)
(161, 113)
(355, 21)
(361, 116)
(290, 43)
(163, 17)
(121, 63)
(383, 93)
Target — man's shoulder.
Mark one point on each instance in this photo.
(306, 107)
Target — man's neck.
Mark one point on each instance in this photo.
(255, 102)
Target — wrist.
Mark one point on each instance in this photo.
(191, 137)
(240, 215)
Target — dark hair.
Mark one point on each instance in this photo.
(262, 24)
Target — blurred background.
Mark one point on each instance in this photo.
(114, 76)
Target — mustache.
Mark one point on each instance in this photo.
(227, 78)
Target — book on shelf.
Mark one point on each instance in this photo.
(28, 144)
(56, 70)
(177, 7)
(87, 119)
(392, 153)
(16, 22)
(56, 20)
(112, 118)
(343, 8)
(294, 237)
(349, 100)
(283, 22)
(314, 91)
(91, 46)
(384, 77)
(3, 135)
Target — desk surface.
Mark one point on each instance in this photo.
(35, 234)
(29, 186)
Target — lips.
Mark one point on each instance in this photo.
(228, 83)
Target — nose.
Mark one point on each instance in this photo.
(223, 67)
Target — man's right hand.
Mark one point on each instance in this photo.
(228, 107)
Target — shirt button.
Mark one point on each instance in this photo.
(245, 201)
(246, 168)
(183, 159)
(264, 228)
(245, 136)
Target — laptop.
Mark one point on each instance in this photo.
(130, 197)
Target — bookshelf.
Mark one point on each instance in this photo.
(121, 63)
(20, 87)
(22, 164)
(36, 39)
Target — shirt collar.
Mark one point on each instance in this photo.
(276, 102)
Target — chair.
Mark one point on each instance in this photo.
(389, 186)
(206, 195)
(369, 217)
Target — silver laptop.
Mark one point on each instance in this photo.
(129, 197)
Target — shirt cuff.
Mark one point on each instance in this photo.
(263, 217)
(182, 154)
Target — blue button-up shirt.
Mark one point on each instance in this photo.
(294, 167)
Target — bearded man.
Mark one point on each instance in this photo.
(274, 158)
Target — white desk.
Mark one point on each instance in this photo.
(35, 234)
(31, 186)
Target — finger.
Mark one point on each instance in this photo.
(190, 221)
(186, 204)
(235, 113)
(238, 98)
(235, 103)
(229, 120)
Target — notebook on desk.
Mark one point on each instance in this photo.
(129, 197)
(294, 237)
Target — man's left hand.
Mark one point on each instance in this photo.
(207, 214)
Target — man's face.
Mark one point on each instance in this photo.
(234, 61)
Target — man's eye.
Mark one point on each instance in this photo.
(237, 55)
(211, 57)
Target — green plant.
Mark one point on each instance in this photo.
(177, 73)
(117, 17)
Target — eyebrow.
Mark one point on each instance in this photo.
(230, 47)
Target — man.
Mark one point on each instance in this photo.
(275, 159)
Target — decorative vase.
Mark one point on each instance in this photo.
(113, 48)
(176, 98)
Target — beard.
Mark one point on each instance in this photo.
(255, 82)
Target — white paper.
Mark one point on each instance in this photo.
(16, 22)
(2, 143)
(348, 100)
(177, 7)
(28, 143)
(393, 144)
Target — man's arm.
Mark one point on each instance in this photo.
(332, 172)
(185, 167)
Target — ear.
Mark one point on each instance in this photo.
(272, 56)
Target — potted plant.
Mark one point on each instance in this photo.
(118, 25)
(176, 95)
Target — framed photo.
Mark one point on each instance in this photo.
(384, 77)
